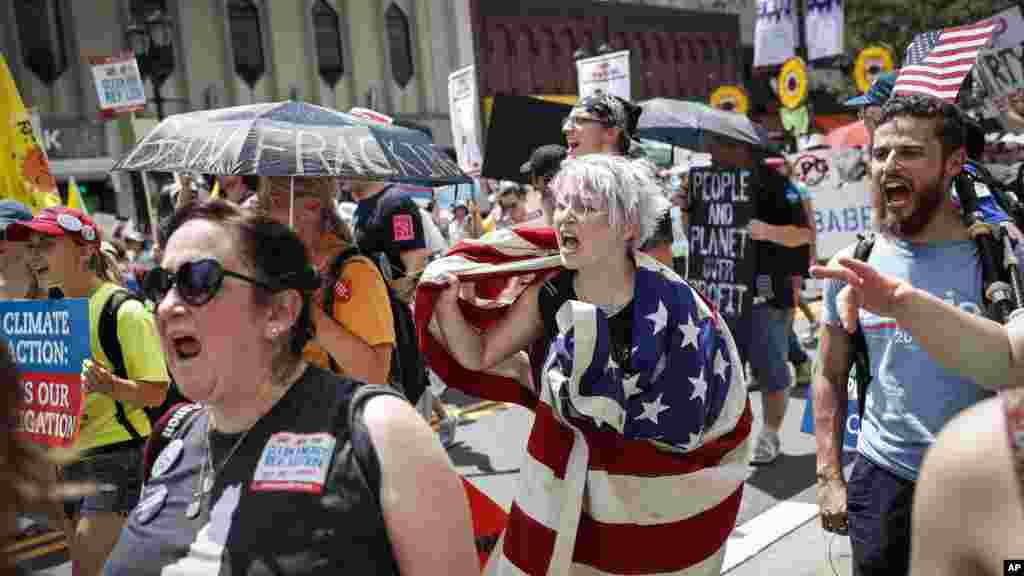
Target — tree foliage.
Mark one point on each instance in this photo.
(893, 23)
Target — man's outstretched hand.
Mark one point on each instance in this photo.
(865, 288)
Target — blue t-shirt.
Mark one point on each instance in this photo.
(911, 397)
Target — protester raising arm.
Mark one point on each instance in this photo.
(978, 348)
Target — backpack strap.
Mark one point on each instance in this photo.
(333, 275)
(111, 345)
(171, 426)
(860, 345)
(362, 445)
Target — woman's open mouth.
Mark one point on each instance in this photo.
(186, 347)
(568, 241)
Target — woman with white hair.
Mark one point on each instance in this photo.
(641, 426)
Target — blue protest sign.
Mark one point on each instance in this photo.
(852, 423)
(49, 340)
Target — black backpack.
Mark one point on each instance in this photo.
(111, 345)
(408, 371)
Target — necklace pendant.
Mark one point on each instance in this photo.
(208, 484)
(193, 508)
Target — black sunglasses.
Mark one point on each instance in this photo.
(198, 282)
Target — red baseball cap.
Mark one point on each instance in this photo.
(57, 221)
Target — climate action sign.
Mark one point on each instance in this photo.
(49, 340)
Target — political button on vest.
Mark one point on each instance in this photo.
(152, 502)
(168, 457)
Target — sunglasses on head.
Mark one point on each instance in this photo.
(198, 282)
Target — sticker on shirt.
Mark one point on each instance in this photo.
(151, 503)
(294, 463)
(402, 227)
(343, 290)
(168, 458)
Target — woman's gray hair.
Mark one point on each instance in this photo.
(627, 187)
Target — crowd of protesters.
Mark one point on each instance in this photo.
(269, 301)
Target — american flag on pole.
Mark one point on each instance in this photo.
(937, 62)
(633, 469)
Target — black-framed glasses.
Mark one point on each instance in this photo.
(198, 282)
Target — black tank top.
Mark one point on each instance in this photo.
(257, 520)
(556, 292)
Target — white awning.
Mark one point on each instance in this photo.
(82, 168)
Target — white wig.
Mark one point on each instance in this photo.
(626, 188)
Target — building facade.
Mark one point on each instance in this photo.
(390, 55)
(394, 56)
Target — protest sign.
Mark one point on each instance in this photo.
(823, 28)
(119, 85)
(49, 340)
(775, 33)
(464, 105)
(837, 183)
(607, 72)
(1001, 66)
(722, 259)
(851, 429)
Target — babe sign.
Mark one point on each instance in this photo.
(49, 340)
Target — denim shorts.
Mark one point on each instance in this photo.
(768, 347)
(118, 475)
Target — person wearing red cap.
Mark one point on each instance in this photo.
(65, 245)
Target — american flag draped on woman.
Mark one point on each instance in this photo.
(640, 443)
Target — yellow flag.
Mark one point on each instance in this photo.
(24, 170)
(215, 193)
(75, 199)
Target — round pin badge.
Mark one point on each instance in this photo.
(89, 233)
(168, 458)
(152, 502)
(69, 222)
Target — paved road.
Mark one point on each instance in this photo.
(777, 528)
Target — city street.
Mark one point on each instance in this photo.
(777, 529)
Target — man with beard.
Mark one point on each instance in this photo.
(918, 147)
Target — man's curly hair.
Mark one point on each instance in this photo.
(950, 127)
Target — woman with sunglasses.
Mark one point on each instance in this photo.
(267, 477)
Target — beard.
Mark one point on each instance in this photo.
(926, 203)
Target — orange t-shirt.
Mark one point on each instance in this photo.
(361, 303)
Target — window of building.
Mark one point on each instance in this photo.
(246, 41)
(41, 27)
(399, 44)
(327, 34)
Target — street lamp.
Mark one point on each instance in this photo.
(153, 45)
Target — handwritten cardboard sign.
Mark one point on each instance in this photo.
(722, 256)
(49, 340)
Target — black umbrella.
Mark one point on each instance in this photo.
(291, 139)
(519, 125)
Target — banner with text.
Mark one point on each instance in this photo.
(464, 104)
(775, 33)
(837, 183)
(823, 28)
(607, 72)
(119, 85)
(722, 259)
(49, 340)
(1001, 66)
